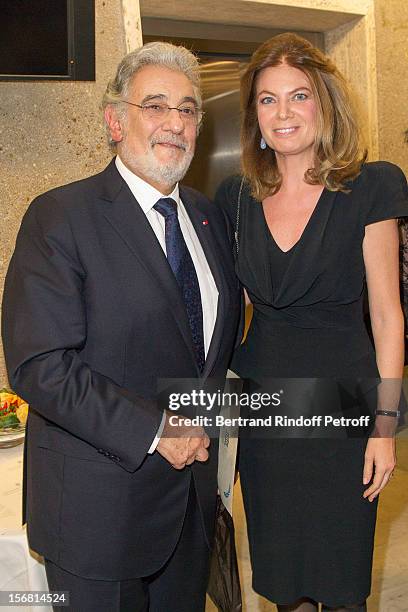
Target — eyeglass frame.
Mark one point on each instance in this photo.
(200, 112)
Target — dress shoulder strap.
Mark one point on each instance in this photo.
(238, 214)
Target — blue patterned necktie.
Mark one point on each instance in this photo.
(180, 261)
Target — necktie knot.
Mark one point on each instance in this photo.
(166, 207)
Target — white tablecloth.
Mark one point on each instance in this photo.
(20, 568)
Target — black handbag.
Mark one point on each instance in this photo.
(224, 586)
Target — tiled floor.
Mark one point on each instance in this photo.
(390, 571)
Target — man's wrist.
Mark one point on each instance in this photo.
(157, 437)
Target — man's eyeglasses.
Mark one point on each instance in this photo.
(187, 112)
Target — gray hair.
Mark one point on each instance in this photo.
(152, 54)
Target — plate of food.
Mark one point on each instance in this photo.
(13, 417)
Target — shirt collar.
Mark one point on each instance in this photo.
(145, 194)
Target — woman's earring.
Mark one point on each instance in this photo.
(262, 144)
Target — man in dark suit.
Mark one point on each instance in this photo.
(117, 281)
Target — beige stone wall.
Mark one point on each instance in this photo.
(391, 17)
(52, 133)
(352, 48)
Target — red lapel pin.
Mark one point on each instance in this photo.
(205, 222)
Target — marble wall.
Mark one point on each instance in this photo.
(52, 133)
(391, 18)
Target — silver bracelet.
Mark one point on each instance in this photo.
(390, 413)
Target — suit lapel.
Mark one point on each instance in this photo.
(209, 245)
(131, 224)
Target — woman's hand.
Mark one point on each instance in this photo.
(380, 461)
(380, 250)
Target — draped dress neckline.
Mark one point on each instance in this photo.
(303, 259)
(304, 231)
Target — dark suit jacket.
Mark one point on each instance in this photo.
(92, 317)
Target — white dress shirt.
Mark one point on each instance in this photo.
(147, 196)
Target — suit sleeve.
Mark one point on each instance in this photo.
(44, 328)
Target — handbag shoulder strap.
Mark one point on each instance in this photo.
(238, 214)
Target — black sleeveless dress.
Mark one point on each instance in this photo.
(310, 530)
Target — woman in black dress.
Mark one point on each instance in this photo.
(315, 223)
